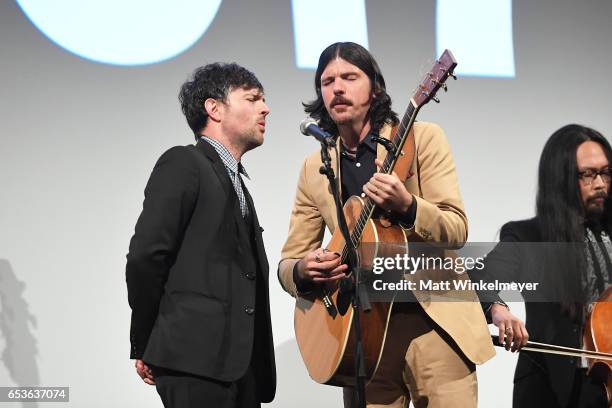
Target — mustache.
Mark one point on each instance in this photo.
(599, 194)
(340, 99)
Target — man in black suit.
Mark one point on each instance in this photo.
(197, 272)
(568, 250)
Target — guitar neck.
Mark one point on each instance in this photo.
(397, 140)
(426, 91)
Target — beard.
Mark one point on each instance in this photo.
(594, 210)
(252, 140)
(343, 120)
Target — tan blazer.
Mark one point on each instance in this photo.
(440, 217)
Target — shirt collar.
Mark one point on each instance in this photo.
(228, 159)
(366, 142)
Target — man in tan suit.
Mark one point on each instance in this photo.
(432, 346)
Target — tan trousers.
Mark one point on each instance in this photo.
(419, 363)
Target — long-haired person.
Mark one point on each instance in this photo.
(567, 248)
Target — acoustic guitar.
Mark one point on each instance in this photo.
(323, 318)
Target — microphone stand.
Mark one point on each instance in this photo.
(358, 294)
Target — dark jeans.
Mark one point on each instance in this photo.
(534, 390)
(182, 390)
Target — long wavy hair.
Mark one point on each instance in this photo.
(380, 108)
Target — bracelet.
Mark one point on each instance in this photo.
(501, 302)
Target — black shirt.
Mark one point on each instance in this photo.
(358, 169)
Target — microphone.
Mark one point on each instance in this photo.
(310, 127)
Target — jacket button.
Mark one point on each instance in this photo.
(249, 310)
(249, 275)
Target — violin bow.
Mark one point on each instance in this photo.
(553, 349)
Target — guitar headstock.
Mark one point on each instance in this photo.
(435, 79)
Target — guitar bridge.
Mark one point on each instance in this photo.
(329, 306)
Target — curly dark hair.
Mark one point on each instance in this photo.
(380, 108)
(215, 81)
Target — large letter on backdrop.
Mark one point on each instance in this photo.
(319, 23)
(479, 33)
(122, 32)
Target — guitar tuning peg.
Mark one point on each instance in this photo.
(436, 100)
(444, 87)
(453, 75)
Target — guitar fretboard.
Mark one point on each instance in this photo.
(397, 142)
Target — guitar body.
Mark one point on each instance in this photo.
(327, 342)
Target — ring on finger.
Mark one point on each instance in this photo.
(317, 258)
(508, 330)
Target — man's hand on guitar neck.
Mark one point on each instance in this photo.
(321, 266)
(388, 192)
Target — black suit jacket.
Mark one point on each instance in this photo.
(192, 274)
(545, 321)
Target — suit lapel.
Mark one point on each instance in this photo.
(241, 223)
(206, 149)
(228, 187)
(263, 260)
(402, 166)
